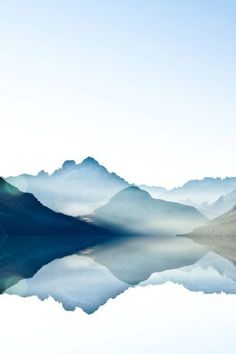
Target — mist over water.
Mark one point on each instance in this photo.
(91, 277)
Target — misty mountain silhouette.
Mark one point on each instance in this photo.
(73, 189)
(221, 205)
(207, 189)
(32, 235)
(219, 235)
(135, 210)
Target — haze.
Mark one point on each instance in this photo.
(147, 88)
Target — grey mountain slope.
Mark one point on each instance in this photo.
(219, 235)
(135, 210)
(74, 189)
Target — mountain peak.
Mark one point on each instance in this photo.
(132, 192)
(90, 160)
(42, 173)
(69, 164)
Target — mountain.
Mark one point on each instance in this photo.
(219, 235)
(21, 214)
(31, 235)
(74, 189)
(135, 210)
(79, 189)
(198, 191)
(221, 205)
(212, 210)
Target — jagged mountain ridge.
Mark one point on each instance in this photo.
(79, 189)
(74, 189)
(208, 189)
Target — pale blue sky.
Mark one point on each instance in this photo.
(146, 87)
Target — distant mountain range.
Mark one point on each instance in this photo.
(79, 189)
(211, 196)
(73, 189)
(224, 203)
(198, 191)
(220, 206)
(135, 210)
(32, 235)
